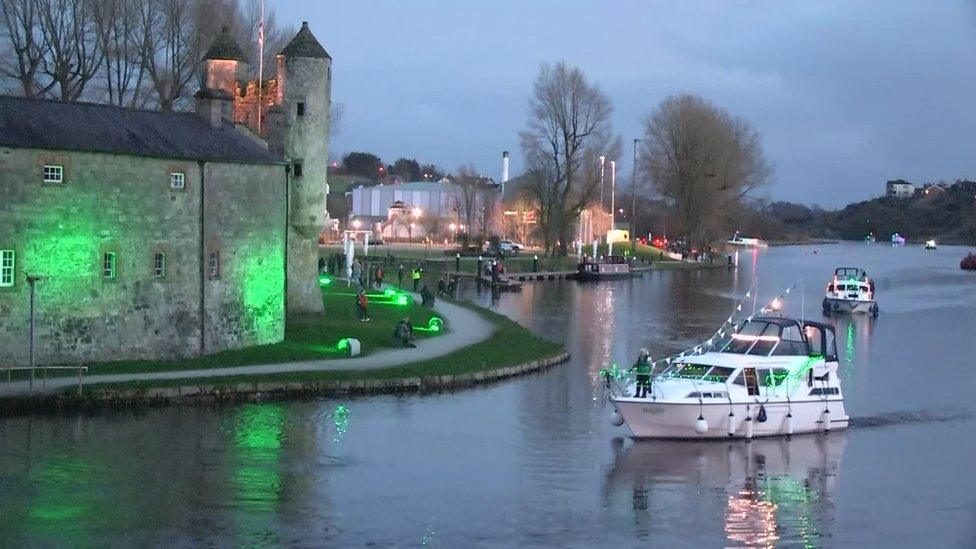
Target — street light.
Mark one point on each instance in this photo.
(411, 230)
(31, 281)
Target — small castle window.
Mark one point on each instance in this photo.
(6, 268)
(214, 265)
(298, 169)
(159, 265)
(53, 173)
(177, 181)
(108, 265)
(301, 108)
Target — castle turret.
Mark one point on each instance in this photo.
(304, 96)
(224, 64)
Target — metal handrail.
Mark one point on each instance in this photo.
(81, 373)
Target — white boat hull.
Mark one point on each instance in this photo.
(649, 419)
(832, 304)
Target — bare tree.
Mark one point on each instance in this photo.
(568, 128)
(175, 46)
(72, 53)
(466, 199)
(119, 25)
(703, 160)
(20, 22)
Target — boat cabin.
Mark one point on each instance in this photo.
(779, 336)
(850, 273)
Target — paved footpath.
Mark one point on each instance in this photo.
(465, 328)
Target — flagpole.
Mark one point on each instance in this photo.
(260, 66)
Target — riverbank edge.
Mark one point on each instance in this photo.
(264, 390)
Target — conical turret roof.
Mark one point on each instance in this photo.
(225, 47)
(304, 44)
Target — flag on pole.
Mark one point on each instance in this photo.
(260, 66)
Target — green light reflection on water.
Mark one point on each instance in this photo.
(258, 437)
(794, 500)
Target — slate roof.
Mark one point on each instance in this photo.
(304, 44)
(225, 47)
(54, 125)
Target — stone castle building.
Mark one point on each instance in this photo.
(162, 234)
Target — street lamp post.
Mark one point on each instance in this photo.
(633, 202)
(32, 281)
(613, 204)
(602, 160)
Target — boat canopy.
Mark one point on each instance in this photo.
(780, 336)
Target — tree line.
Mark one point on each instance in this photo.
(135, 53)
(370, 166)
(702, 160)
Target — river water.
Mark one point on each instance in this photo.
(534, 461)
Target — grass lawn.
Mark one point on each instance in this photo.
(510, 345)
(307, 337)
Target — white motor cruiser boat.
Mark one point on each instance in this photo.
(850, 291)
(745, 242)
(770, 376)
(930, 244)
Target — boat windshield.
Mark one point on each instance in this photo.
(850, 273)
(765, 338)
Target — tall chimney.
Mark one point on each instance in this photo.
(504, 166)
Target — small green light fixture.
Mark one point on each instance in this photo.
(325, 280)
(402, 299)
(343, 345)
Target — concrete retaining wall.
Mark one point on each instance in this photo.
(258, 390)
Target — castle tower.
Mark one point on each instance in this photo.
(302, 133)
(224, 64)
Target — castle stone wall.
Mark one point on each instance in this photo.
(124, 205)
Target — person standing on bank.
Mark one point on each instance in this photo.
(415, 275)
(361, 303)
(400, 277)
(379, 277)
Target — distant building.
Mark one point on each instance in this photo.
(899, 188)
(932, 189)
(421, 209)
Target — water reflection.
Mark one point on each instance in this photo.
(774, 489)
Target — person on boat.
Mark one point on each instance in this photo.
(441, 286)
(643, 369)
(403, 333)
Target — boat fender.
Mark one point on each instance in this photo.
(789, 423)
(701, 426)
(730, 424)
(826, 420)
(616, 419)
(749, 423)
(762, 417)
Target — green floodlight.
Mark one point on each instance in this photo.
(390, 291)
(434, 325)
(325, 280)
(403, 299)
(343, 345)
